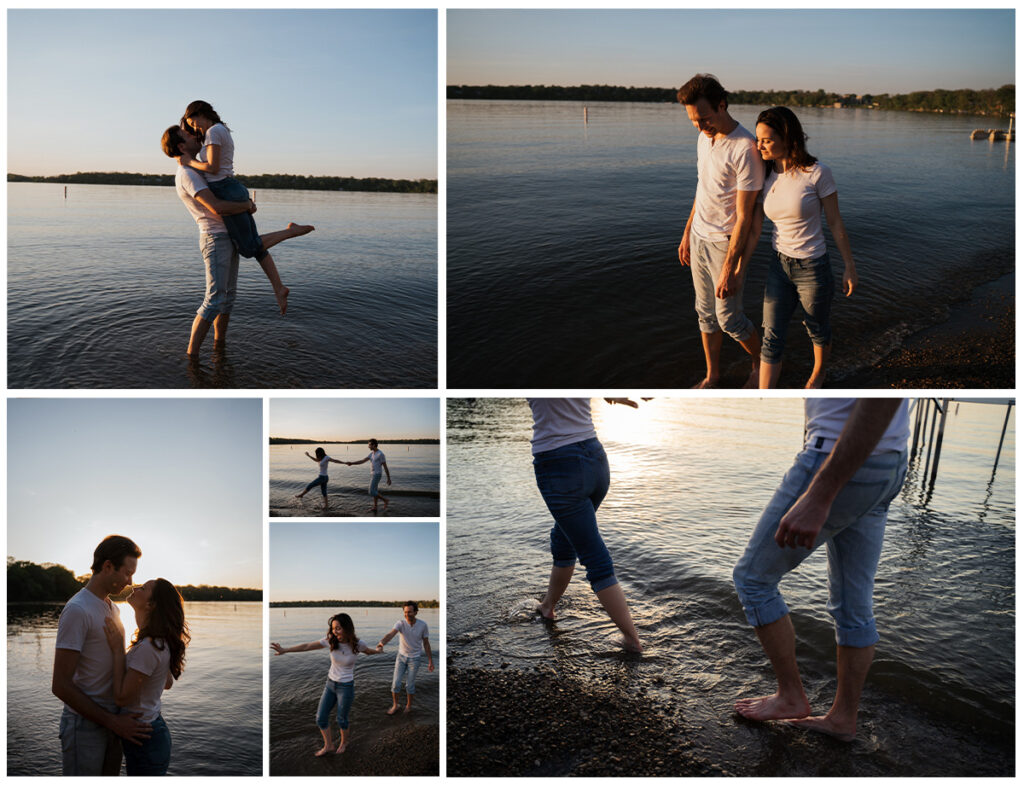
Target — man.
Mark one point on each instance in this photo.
(730, 174)
(377, 465)
(838, 494)
(83, 668)
(219, 254)
(412, 643)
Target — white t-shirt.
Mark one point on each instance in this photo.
(411, 637)
(323, 464)
(188, 182)
(219, 135)
(376, 461)
(81, 628)
(343, 660)
(792, 202)
(724, 167)
(152, 662)
(824, 419)
(560, 421)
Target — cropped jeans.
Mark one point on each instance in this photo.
(573, 480)
(406, 668)
(338, 693)
(375, 483)
(242, 226)
(221, 262)
(716, 313)
(852, 535)
(153, 756)
(792, 282)
(322, 482)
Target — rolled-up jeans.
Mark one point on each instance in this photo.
(716, 313)
(153, 756)
(573, 480)
(792, 282)
(852, 535)
(375, 483)
(322, 482)
(88, 749)
(406, 668)
(221, 262)
(338, 693)
(241, 226)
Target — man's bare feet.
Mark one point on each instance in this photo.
(297, 230)
(828, 726)
(326, 748)
(299, 495)
(753, 379)
(705, 384)
(393, 709)
(773, 707)
(408, 708)
(281, 295)
(385, 502)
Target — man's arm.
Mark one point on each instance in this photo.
(863, 430)
(221, 207)
(684, 244)
(384, 465)
(735, 257)
(127, 726)
(387, 638)
(430, 655)
(356, 463)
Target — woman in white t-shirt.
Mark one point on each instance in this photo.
(797, 189)
(344, 646)
(154, 660)
(323, 459)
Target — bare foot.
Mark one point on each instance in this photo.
(752, 380)
(341, 749)
(297, 230)
(631, 645)
(282, 299)
(385, 502)
(828, 726)
(773, 707)
(705, 384)
(298, 495)
(324, 751)
(373, 508)
(545, 611)
(393, 709)
(407, 709)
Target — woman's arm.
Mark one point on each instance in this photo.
(127, 684)
(311, 457)
(210, 165)
(332, 460)
(367, 650)
(835, 223)
(356, 463)
(311, 646)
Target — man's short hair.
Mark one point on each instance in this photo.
(703, 86)
(114, 549)
(172, 137)
(415, 607)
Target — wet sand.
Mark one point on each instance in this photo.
(409, 750)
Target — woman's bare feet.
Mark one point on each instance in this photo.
(545, 611)
(299, 495)
(341, 748)
(816, 382)
(705, 384)
(773, 707)
(829, 726)
(408, 708)
(393, 709)
(326, 748)
(297, 230)
(281, 295)
(631, 645)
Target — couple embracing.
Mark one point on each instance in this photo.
(112, 696)
(740, 180)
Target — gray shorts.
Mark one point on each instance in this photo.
(221, 261)
(88, 749)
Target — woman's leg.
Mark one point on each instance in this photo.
(816, 289)
(318, 481)
(780, 300)
(346, 694)
(323, 716)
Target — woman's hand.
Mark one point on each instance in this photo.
(115, 633)
(849, 279)
(278, 648)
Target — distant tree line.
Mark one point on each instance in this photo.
(285, 181)
(353, 604)
(29, 582)
(283, 440)
(1000, 102)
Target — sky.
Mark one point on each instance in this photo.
(181, 477)
(848, 51)
(345, 419)
(312, 92)
(354, 561)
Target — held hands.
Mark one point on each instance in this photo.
(849, 280)
(623, 401)
(800, 526)
(115, 634)
(380, 647)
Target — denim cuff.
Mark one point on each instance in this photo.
(604, 583)
(564, 562)
(860, 638)
(773, 610)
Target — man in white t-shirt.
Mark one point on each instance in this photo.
(91, 728)
(837, 494)
(378, 464)
(412, 643)
(219, 254)
(730, 174)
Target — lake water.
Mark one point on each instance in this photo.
(214, 712)
(102, 288)
(297, 681)
(689, 479)
(562, 238)
(415, 473)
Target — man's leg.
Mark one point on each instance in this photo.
(200, 327)
(410, 682)
(396, 681)
(88, 749)
(733, 321)
(712, 350)
(704, 281)
(778, 640)
(852, 664)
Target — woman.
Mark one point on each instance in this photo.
(796, 190)
(154, 660)
(323, 459)
(573, 475)
(344, 646)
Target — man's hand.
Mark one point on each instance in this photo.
(728, 283)
(389, 481)
(129, 728)
(430, 666)
(801, 525)
(684, 249)
(380, 647)
(252, 206)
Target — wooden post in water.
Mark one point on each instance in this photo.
(65, 192)
(585, 119)
(1002, 436)
(928, 449)
(918, 405)
(938, 441)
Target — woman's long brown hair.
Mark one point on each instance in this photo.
(165, 625)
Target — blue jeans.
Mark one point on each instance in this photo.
(714, 313)
(241, 227)
(88, 749)
(406, 668)
(321, 481)
(221, 262)
(335, 692)
(852, 535)
(374, 483)
(807, 282)
(152, 758)
(573, 480)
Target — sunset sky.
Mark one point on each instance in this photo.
(344, 419)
